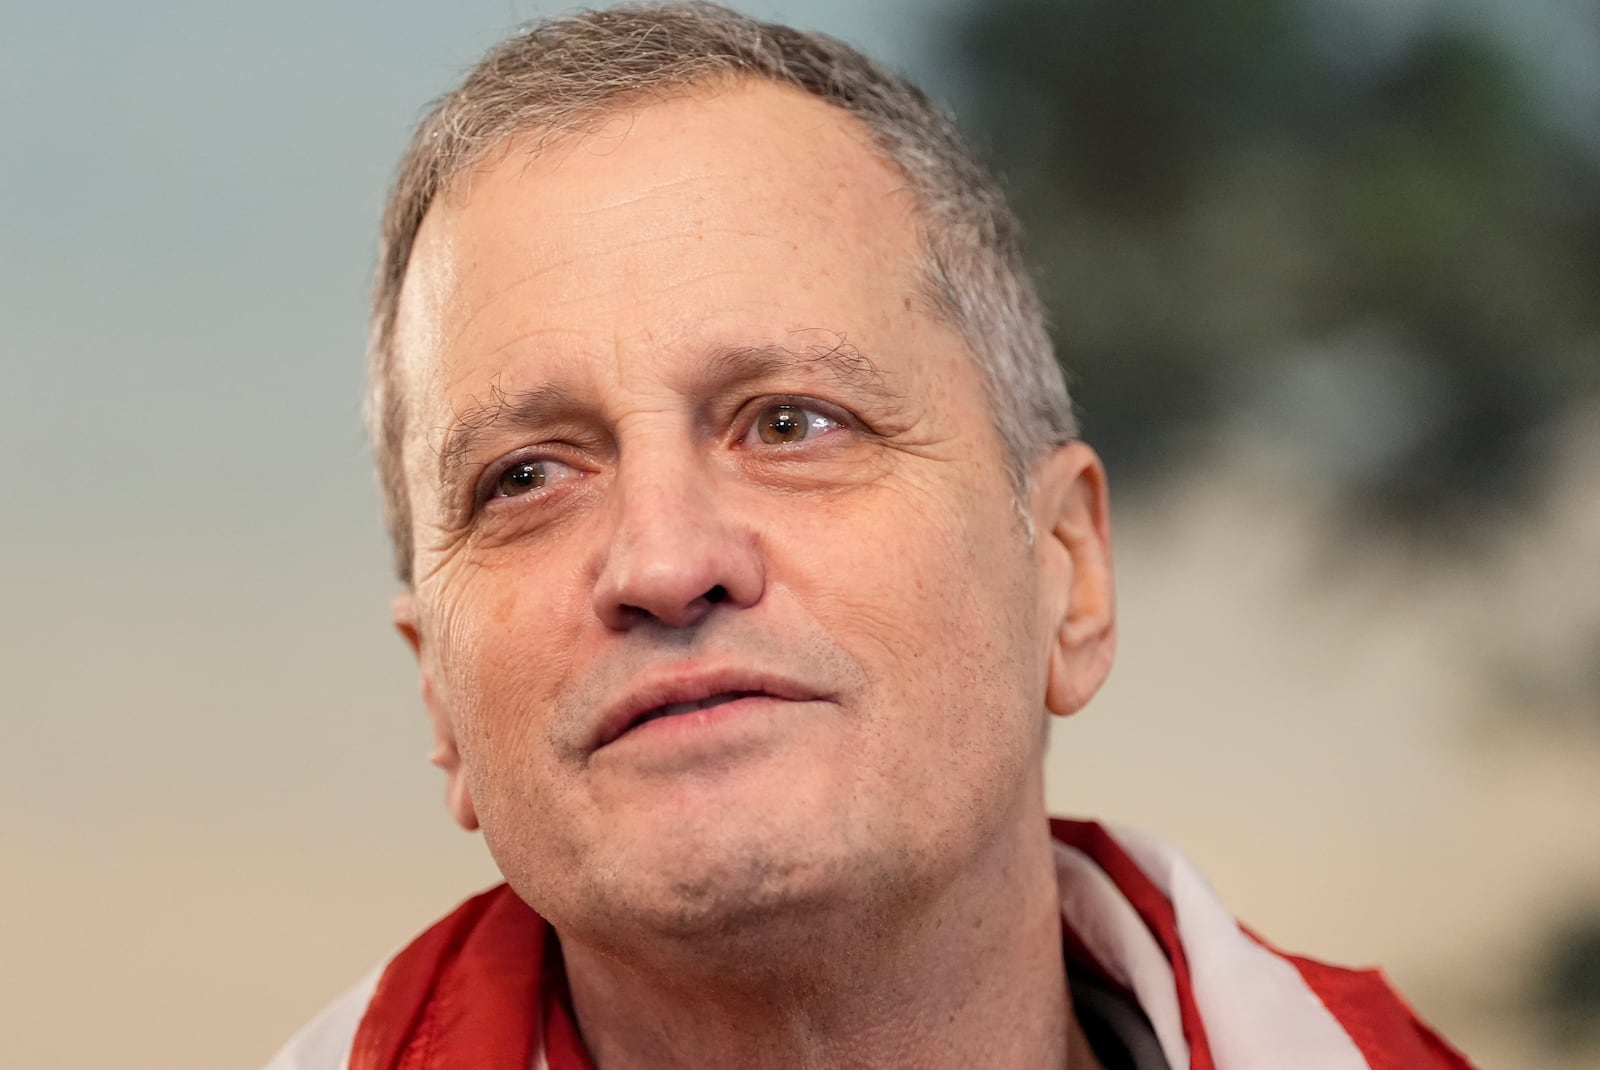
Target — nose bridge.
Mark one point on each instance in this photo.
(675, 549)
(662, 494)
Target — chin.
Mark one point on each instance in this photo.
(749, 881)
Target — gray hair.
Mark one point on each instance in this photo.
(555, 76)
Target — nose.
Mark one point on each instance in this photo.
(676, 548)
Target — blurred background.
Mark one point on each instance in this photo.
(1326, 274)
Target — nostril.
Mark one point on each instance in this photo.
(719, 593)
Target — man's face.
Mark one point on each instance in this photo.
(684, 432)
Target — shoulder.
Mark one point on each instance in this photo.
(324, 1042)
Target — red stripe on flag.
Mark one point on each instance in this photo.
(462, 994)
(1388, 1032)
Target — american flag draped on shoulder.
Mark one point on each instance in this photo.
(480, 988)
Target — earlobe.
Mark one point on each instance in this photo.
(445, 755)
(1072, 518)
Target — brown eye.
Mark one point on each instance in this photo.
(532, 477)
(782, 424)
(787, 423)
(520, 479)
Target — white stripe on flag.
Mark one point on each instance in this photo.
(1258, 1011)
(1106, 923)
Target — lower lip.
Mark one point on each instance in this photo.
(698, 723)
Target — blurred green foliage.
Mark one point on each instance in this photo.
(1375, 251)
(1379, 249)
(1565, 989)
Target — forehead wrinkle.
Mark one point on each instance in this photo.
(663, 188)
(558, 266)
(686, 196)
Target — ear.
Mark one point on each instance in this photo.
(458, 797)
(1072, 522)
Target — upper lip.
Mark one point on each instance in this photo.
(690, 684)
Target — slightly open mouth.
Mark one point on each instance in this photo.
(672, 709)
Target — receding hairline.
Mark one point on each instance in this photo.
(536, 143)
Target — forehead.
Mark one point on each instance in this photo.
(713, 212)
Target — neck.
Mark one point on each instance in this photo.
(971, 976)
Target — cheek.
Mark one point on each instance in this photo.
(934, 591)
(503, 657)
(936, 606)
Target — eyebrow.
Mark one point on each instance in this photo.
(841, 364)
(725, 367)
